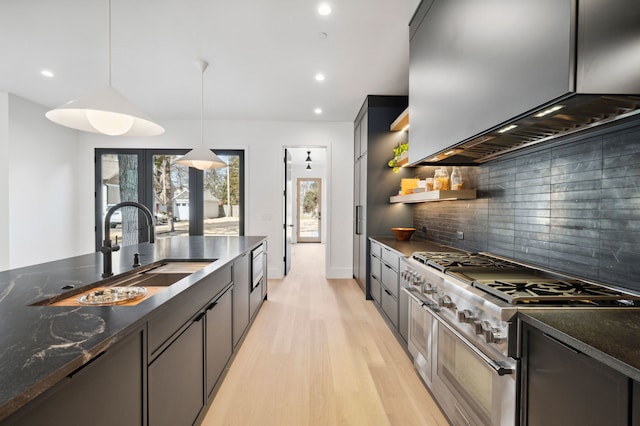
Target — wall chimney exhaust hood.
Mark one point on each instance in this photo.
(599, 59)
(563, 117)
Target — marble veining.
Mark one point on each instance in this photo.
(40, 345)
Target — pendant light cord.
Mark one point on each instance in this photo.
(202, 106)
(109, 47)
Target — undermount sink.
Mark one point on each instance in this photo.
(128, 289)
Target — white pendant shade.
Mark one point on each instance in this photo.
(201, 158)
(105, 111)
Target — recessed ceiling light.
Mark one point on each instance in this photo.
(506, 129)
(318, 111)
(322, 35)
(47, 73)
(320, 77)
(324, 9)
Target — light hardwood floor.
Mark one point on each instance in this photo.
(318, 353)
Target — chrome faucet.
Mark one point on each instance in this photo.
(107, 247)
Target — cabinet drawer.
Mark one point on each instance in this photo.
(376, 249)
(389, 279)
(390, 306)
(375, 267)
(391, 258)
(375, 289)
(183, 307)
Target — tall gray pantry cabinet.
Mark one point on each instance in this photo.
(374, 180)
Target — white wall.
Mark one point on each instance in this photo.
(4, 181)
(39, 161)
(263, 143)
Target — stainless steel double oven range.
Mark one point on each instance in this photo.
(462, 328)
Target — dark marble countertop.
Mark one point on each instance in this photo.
(611, 336)
(40, 345)
(406, 248)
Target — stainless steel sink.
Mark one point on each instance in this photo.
(130, 288)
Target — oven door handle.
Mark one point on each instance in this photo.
(496, 365)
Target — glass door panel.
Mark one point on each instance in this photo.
(309, 210)
(119, 183)
(222, 197)
(170, 196)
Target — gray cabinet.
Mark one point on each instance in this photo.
(107, 391)
(176, 379)
(564, 386)
(475, 65)
(375, 181)
(241, 288)
(390, 280)
(218, 340)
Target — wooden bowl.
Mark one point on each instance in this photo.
(403, 234)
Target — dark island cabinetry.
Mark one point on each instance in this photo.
(566, 387)
(241, 288)
(105, 392)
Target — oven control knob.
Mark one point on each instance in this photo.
(427, 288)
(446, 302)
(466, 316)
(493, 335)
(478, 326)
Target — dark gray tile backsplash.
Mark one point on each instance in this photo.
(573, 206)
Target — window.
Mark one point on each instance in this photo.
(184, 201)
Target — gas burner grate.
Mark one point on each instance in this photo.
(548, 290)
(446, 260)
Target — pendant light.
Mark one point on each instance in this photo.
(201, 157)
(308, 160)
(105, 111)
(308, 167)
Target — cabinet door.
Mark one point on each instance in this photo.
(364, 134)
(255, 298)
(241, 288)
(219, 339)
(176, 378)
(475, 65)
(113, 380)
(564, 386)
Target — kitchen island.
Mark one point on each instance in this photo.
(43, 347)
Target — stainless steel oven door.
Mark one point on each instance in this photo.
(420, 337)
(472, 388)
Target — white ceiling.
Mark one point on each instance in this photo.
(263, 54)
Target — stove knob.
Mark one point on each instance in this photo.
(493, 335)
(466, 316)
(446, 302)
(478, 326)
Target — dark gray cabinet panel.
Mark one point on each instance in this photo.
(176, 378)
(607, 40)
(218, 338)
(474, 65)
(241, 288)
(635, 404)
(375, 181)
(179, 310)
(108, 391)
(563, 386)
(255, 298)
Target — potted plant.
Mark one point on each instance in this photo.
(400, 156)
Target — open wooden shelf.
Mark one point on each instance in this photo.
(422, 197)
(401, 122)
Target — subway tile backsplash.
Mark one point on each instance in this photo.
(573, 207)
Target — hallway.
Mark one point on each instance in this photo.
(318, 353)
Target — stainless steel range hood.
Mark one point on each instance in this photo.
(599, 61)
(561, 118)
